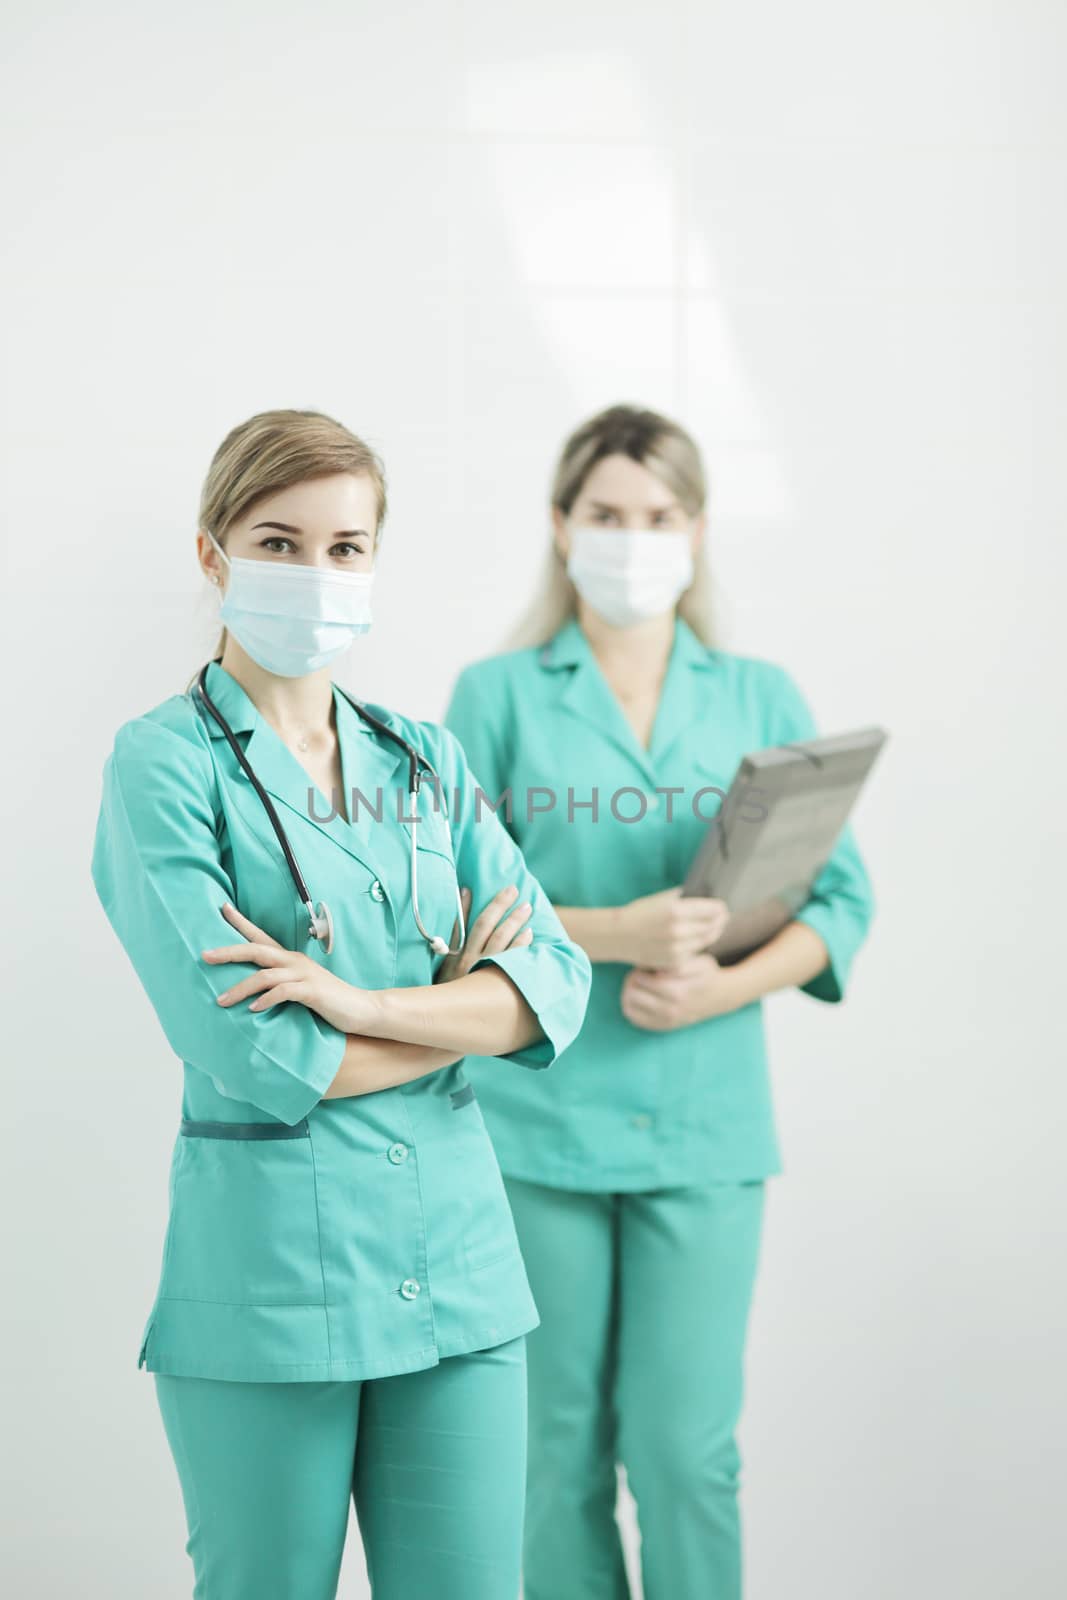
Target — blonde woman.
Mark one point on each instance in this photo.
(636, 1172)
(342, 1306)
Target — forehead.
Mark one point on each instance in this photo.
(619, 480)
(342, 500)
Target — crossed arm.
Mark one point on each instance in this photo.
(395, 1035)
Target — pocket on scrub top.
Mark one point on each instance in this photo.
(244, 1216)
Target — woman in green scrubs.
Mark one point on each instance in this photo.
(342, 1304)
(636, 1171)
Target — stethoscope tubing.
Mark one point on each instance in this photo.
(320, 922)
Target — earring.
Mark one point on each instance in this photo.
(214, 577)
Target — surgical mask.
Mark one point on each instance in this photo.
(628, 575)
(293, 619)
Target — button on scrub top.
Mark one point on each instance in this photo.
(630, 1108)
(307, 1238)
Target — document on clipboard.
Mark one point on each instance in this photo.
(775, 831)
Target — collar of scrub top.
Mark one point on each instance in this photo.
(286, 779)
(692, 668)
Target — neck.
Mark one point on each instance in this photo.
(299, 707)
(637, 652)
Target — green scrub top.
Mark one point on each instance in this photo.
(630, 1108)
(312, 1239)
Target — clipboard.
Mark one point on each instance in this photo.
(775, 831)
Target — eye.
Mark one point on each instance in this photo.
(275, 539)
(347, 550)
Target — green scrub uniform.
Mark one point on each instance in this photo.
(434, 1460)
(648, 1147)
(314, 1241)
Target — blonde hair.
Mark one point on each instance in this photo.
(666, 449)
(274, 450)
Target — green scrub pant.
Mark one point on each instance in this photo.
(644, 1301)
(435, 1461)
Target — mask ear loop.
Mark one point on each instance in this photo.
(220, 550)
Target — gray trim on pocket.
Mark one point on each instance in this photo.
(461, 1097)
(244, 1130)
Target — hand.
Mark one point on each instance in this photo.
(692, 992)
(487, 935)
(666, 929)
(287, 975)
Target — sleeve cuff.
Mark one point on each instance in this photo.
(560, 1021)
(829, 984)
(290, 1095)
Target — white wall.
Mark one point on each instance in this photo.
(830, 238)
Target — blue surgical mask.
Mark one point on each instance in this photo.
(293, 619)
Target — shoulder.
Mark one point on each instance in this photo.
(503, 666)
(767, 695)
(494, 697)
(503, 679)
(756, 675)
(170, 737)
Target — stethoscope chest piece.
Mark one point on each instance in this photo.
(320, 925)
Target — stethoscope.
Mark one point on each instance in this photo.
(320, 922)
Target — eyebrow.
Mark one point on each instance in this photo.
(603, 505)
(285, 527)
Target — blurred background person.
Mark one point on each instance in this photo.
(636, 1173)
